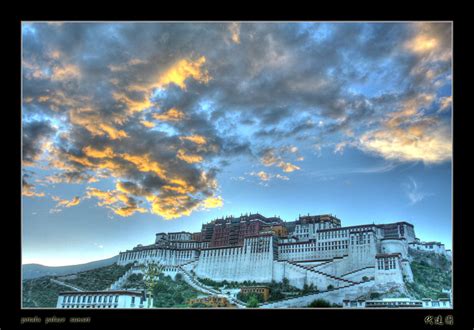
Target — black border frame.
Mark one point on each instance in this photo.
(105, 319)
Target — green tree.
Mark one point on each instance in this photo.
(252, 302)
(374, 295)
(198, 305)
(150, 278)
(320, 303)
(306, 288)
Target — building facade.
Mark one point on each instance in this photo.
(103, 299)
(312, 250)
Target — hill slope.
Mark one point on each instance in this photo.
(432, 274)
(31, 271)
(41, 292)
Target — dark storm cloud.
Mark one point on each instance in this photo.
(34, 134)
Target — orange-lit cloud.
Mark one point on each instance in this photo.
(65, 72)
(188, 158)
(264, 176)
(411, 143)
(410, 108)
(271, 158)
(182, 70)
(29, 190)
(445, 103)
(117, 201)
(147, 123)
(144, 163)
(234, 29)
(198, 139)
(91, 121)
(288, 167)
(94, 153)
(212, 202)
(170, 207)
(133, 105)
(170, 115)
(422, 43)
(66, 203)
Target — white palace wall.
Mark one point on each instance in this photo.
(251, 262)
(335, 257)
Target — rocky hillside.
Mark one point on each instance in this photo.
(432, 274)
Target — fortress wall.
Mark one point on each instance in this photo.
(406, 270)
(295, 275)
(162, 256)
(298, 277)
(251, 262)
(357, 276)
(337, 266)
(394, 246)
(311, 251)
(388, 269)
(362, 250)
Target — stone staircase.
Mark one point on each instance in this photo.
(356, 270)
(122, 279)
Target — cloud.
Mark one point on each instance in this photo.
(191, 159)
(164, 107)
(35, 138)
(213, 202)
(414, 143)
(66, 203)
(409, 135)
(71, 177)
(91, 121)
(198, 139)
(118, 202)
(234, 29)
(273, 157)
(100, 246)
(170, 115)
(445, 103)
(413, 192)
(265, 176)
(182, 70)
(29, 190)
(65, 72)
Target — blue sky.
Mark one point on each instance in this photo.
(132, 129)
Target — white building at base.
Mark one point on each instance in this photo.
(103, 299)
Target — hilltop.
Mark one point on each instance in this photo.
(31, 271)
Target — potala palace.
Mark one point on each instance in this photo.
(342, 262)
